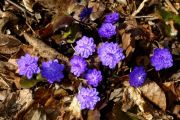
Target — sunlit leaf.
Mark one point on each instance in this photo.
(154, 93)
(25, 83)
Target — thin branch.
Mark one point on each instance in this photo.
(139, 8)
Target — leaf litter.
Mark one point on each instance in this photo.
(50, 30)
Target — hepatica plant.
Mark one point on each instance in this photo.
(111, 18)
(93, 77)
(107, 30)
(88, 97)
(85, 47)
(85, 12)
(52, 71)
(28, 66)
(110, 54)
(137, 76)
(78, 65)
(161, 59)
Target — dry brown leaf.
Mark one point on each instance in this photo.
(9, 44)
(174, 88)
(127, 43)
(2, 24)
(93, 115)
(98, 9)
(28, 4)
(7, 76)
(116, 95)
(57, 5)
(59, 21)
(176, 111)
(33, 114)
(15, 102)
(44, 50)
(132, 96)
(75, 108)
(154, 93)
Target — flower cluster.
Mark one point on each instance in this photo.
(93, 77)
(50, 70)
(85, 47)
(161, 59)
(78, 65)
(28, 66)
(111, 18)
(137, 76)
(85, 12)
(107, 30)
(88, 98)
(110, 54)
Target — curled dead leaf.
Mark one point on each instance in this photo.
(98, 9)
(28, 4)
(94, 115)
(75, 108)
(176, 111)
(133, 96)
(128, 44)
(9, 44)
(154, 93)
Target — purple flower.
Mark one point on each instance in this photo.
(28, 66)
(52, 71)
(85, 47)
(107, 30)
(161, 59)
(112, 17)
(85, 12)
(110, 54)
(137, 76)
(88, 98)
(78, 65)
(93, 77)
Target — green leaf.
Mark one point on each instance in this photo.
(166, 15)
(74, 33)
(176, 18)
(26, 83)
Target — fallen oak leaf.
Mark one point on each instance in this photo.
(44, 50)
(154, 93)
(9, 44)
(135, 96)
(59, 21)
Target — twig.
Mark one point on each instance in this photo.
(144, 16)
(139, 17)
(20, 7)
(139, 8)
(171, 7)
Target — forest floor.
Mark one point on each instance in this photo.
(50, 29)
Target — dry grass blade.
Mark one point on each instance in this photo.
(139, 8)
(44, 50)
